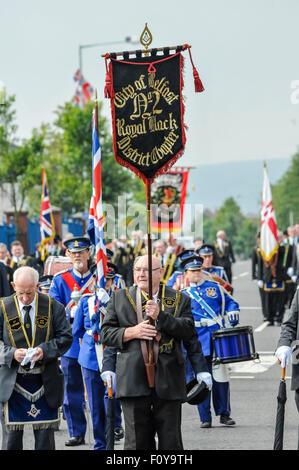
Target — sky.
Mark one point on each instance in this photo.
(246, 53)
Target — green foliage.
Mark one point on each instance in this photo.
(241, 232)
(20, 163)
(69, 162)
(286, 195)
(65, 151)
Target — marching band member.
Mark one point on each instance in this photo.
(87, 326)
(177, 279)
(77, 280)
(216, 273)
(211, 305)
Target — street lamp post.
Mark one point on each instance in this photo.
(128, 39)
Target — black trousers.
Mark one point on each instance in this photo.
(146, 416)
(274, 305)
(44, 440)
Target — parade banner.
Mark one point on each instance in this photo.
(147, 110)
(168, 193)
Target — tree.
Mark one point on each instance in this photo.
(69, 161)
(240, 231)
(228, 218)
(20, 164)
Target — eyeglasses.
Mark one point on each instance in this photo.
(144, 270)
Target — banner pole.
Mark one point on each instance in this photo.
(149, 238)
(149, 252)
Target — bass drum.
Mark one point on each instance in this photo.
(56, 264)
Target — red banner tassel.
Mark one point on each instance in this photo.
(197, 81)
(108, 91)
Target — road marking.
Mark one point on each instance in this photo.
(261, 327)
(242, 377)
(251, 308)
(254, 366)
(240, 275)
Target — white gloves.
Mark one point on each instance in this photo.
(260, 283)
(107, 376)
(233, 318)
(205, 377)
(103, 296)
(290, 272)
(73, 311)
(28, 357)
(294, 278)
(283, 353)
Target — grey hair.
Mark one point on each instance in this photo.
(142, 256)
(26, 270)
(2, 245)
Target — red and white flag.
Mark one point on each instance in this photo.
(269, 238)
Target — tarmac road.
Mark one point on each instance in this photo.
(253, 384)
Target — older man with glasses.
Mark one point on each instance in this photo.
(132, 320)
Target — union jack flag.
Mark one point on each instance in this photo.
(47, 226)
(77, 75)
(96, 223)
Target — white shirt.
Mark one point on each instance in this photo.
(220, 243)
(31, 312)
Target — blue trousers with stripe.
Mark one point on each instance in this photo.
(74, 400)
(95, 390)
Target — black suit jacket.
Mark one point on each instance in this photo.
(290, 333)
(223, 258)
(170, 382)
(60, 340)
(4, 285)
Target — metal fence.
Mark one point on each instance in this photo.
(8, 232)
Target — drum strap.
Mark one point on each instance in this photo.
(206, 307)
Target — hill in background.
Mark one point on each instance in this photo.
(210, 185)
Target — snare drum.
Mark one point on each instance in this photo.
(234, 345)
(56, 264)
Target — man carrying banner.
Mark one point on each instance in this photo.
(78, 281)
(34, 332)
(156, 408)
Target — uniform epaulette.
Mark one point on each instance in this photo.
(61, 272)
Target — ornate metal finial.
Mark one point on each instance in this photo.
(146, 37)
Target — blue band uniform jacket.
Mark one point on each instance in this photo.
(220, 301)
